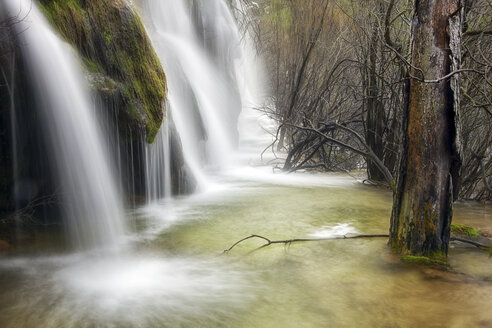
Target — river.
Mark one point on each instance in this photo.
(170, 271)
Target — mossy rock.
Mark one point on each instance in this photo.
(424, 260)
(463, 230)
(115, 48)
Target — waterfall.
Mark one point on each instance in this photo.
(209, 79)
(92, 207)
(158, 165)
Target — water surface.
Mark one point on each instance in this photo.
(171, 271)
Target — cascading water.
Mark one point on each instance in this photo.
(235, 56)
(93, 210)
(209, 79)
(158, 165)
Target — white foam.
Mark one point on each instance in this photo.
(339, 230)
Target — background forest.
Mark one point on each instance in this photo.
(339, 78)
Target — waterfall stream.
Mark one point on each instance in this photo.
(214, 85)
(158, 165)
(212, 79)
(92, 206)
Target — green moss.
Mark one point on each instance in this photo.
(461, 229)
(430, 219)
(107, 37)
(138, 65)
(110, 84)
(424, 260)
(489, 250)
(122, 51)
(53, 8)
(91, 65)
(68, 17)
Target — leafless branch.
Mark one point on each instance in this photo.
(296, 240)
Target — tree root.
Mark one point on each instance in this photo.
(295, 240)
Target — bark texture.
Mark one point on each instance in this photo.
(422, 206)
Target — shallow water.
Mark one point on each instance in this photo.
(170, 272)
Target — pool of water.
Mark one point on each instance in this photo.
(171, 271)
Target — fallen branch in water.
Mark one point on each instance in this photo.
(296, 240)
(471, 242)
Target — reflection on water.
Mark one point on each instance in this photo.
(171, 273)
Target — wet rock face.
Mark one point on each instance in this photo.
(6, 153)
(25, 170)
(130, 85)
(128, 78)
(182, 180)
(118, 55)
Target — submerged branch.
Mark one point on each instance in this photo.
(471, 242)
(298, 240)
(295, 240)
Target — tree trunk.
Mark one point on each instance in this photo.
(422, 205)
(375, 110)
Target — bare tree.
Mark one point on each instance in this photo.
(349, 64)
(430, 162)
(476, 101)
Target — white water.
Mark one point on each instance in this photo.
(141, 288)
(93, 211)
(158, 165)
(152, 284)
(213, 75)
(339, 230)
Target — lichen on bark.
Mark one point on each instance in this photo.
(429, 167)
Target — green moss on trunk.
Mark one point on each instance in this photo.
(430, 160)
